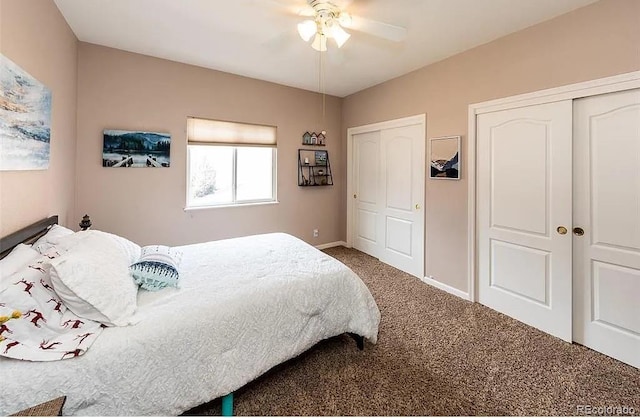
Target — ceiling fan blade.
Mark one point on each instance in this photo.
(342, 4)
(306, 11)
(380, 29)
(292, 8)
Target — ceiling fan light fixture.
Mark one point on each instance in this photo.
(345, 19)
(307, 29)
(319, 43)
(339, 34)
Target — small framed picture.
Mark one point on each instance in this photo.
(444, 157)
(321, 157)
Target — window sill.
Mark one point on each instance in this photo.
(231, 205)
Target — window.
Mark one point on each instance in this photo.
(230, 163)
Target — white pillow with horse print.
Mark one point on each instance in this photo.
(18, 258)
(35, 324)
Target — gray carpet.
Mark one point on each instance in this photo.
(437, 355)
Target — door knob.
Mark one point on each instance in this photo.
(355, 196)
(418, 206)
(561, 230)
(578, 231)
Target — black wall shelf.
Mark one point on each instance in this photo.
(314, 168)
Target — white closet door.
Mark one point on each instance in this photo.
(401, 220)
(368, 194)
(524, 202)
(607, 208)
(389, 175)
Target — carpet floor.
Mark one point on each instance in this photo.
(437, 355)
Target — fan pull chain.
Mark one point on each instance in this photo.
(321, 86)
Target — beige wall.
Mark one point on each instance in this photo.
(121, 90)
(35, 36)
(599, 40)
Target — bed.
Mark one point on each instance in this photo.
(244, 306)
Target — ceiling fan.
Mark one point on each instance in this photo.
(328, 21)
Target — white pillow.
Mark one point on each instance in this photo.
(47, 241)
(93, 280)
(130, 249)
(18, 258)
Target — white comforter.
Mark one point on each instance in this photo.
(244, 306)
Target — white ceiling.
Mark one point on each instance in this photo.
(258, 38)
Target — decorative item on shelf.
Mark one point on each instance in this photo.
(316, 173)
(312, 138)
(321, 158)
(85, 223)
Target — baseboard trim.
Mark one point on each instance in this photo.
(331, 244)
(449, 289)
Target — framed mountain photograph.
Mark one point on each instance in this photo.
(444, 155)
(135, 149)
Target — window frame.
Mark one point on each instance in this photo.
(234, 180)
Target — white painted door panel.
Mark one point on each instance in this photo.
(402, 188)
(389, 172)
(524, 194)
(367, 179)
(607, 207)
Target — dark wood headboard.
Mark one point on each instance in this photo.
(26, 235)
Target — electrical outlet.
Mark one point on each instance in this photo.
(315, 233)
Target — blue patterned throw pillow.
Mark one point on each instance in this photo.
(157, 267)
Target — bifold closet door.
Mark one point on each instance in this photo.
(389, 175)
(524, 214)
(607, 212)
(368, 196)
(402, 171)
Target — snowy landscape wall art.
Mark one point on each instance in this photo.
(444, 154)
(135, 149)
(25, 119)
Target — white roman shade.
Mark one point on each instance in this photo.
(215, 132)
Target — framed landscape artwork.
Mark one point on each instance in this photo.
(135, 149)
(444, 155)
(25, 119)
